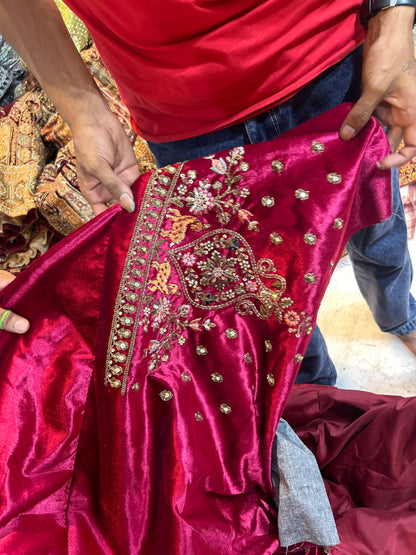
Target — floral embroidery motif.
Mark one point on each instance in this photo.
(199, 417)
(231, 334)
(338, 223)
(215, 270)
(217, 378)
(268, 202)
(301, 194)
(268, 345)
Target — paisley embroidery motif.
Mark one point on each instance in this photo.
(214, 270)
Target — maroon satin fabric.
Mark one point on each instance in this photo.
(175, 461)
(364, 444)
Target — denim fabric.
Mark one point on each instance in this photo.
(379, 253)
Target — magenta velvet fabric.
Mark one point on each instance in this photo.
(138, 413)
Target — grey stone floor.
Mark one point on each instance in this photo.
(365, 357)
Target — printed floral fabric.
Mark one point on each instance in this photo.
(38, 163)
(139, 412)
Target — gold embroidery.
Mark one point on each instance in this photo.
(161, 282)
(268, 202)
(216, 270)
(186, 377)
(298, 358)
(135, 387)
(338, 223)
(268, 345)
(275, 238)
(317, 147)
(309, 238)
(334, 178)
(270, 379)
(226, 409)
(166, 395)
(310, 278)
(301, 194)
(231, 334)
(199, 417)
(277, 166)
(217, 378)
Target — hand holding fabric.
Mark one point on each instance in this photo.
(106, 164)
(9, 320)
(389, 84)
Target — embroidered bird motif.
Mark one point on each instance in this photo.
(180, 225)
(161, 282)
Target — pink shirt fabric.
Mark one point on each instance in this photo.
(188, 67)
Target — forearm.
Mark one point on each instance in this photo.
(36, 31)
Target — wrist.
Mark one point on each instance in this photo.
(404, 10)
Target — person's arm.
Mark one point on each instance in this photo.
(389, 83)
(9, 321)
(106, 164)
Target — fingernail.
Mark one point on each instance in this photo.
(348, 132)
(21, 325)
(127, 202)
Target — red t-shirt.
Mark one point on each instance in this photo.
(187, 67)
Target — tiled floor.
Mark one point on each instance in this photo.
(365, 357)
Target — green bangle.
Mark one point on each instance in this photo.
(5, 313)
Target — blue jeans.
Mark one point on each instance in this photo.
(379, 253)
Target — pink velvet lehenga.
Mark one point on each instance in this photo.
(137, 416)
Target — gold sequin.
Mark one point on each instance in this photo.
(338, 223)
(268, 202)
(186, 377)
(201, 350)
(310, 278)
(116, 370)
(247, 358)
(334, 178)
(231, 334)
(217, 378)
(226, 409)
(268, 345)
(199, 417)
(276, 239)
(166, 395)
(317, 146)
(301, 194)
(135, 387)
(309, 238)
(298, 358)
(277, 166)
(270, 379)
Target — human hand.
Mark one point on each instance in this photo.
(389, 84)
(106, 164)
(9, 321)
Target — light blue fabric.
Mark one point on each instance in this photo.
(305, 514)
